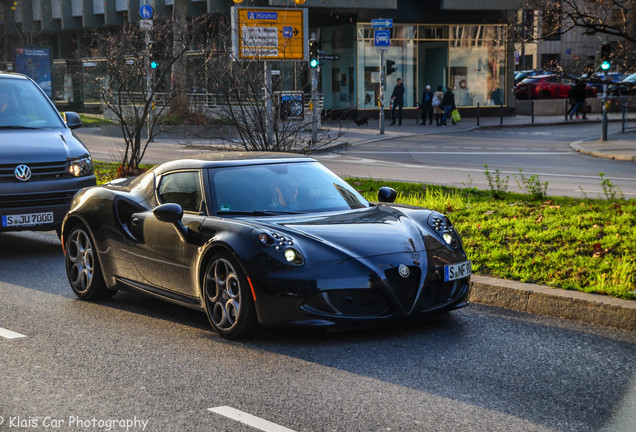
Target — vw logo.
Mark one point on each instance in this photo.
(404, 271)
(22, 172)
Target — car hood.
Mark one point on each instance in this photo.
(39, 145)
(373, 231)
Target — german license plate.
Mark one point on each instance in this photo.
(457, 271)
(27, 219)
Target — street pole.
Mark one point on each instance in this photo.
(148, 75)
(604, 120)
(314, 104)
(382, 93)
(267, 93)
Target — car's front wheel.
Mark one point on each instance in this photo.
(228, 302)
(82, 266)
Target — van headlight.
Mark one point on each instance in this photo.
(81, 167)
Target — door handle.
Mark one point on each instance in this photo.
(135, 222)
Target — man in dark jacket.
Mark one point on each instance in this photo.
(427, 106)
(448, 103)
(397, 98)
(579, 100)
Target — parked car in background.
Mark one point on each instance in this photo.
(599, 79)
(627, 86)
(548, 87)
(521, 75)
(42, 164)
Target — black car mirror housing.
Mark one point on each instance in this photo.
(387, 194)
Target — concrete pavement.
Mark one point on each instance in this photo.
(525, 297)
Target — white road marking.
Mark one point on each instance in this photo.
(8, 334)
(249, 419)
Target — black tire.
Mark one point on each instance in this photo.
(82, 265)
(228, 299)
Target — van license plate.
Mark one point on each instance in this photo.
(27, 219)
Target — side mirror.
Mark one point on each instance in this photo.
(72, 119)
(387, 194)
(172, 213)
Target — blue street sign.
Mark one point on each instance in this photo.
(146, 12)
(382, 38)
(288, 31)
(382, 23)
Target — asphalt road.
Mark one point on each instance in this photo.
(458, 159)
(140, 360)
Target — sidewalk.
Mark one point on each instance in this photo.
(619, 146)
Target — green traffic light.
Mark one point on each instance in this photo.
(154, 64)
(605, 65)
(313, 63)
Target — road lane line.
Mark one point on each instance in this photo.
(249, 419)
(8, 334)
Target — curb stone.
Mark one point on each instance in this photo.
(543, 300)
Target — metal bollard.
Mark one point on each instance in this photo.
(477, 113)
(532, 110)
(501, 114)
(567, 104)
(624, 119)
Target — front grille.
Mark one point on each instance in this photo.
(39, 171)
(349, 302)
(46, 199)
(405, 288)
(439, 293)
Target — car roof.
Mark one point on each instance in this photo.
(224, 159)
(13, 75)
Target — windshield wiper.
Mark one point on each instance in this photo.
(17, 127)
(255, 212)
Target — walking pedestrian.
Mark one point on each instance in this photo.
(397, 99)
(449, 105)
(427, 106)
(579, 99)
(437, 105)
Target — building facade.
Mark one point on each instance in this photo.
(449, 43)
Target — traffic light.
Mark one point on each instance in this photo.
(389, 67)
(153, 64)
(313, 54)
(606, 52)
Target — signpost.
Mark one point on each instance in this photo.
(382, 41)
(146, 13)
(270, 34)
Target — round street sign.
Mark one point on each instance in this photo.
(145, 11)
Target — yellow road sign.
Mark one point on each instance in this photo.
(270, 34)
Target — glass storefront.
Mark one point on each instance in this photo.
(470, 58)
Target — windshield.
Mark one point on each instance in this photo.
(530, 80)
(23, 105)
(281, 188)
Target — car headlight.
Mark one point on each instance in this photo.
(281, 246)
(81, 167)
(443, 227)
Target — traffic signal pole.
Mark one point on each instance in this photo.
(148, 75)
(382, 93)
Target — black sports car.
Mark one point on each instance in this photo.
(263, 238)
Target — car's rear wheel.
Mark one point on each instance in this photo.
(82, 266)
(228, 301)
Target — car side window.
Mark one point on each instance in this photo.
(183, 188)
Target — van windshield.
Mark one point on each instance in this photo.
(24, 106)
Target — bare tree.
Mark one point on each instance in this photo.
(243, 95)
(612, 21)
(124, 91)
(178, 78)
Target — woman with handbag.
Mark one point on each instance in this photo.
(437, 105)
